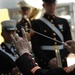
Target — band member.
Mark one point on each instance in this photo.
(54, 27)
(8, 53)
(24, 12)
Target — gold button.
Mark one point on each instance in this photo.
(55, 43)
(45, 31)
(54, 34)
(3, 47)
(55, 47)
(51, 20)
(62, 30)
(54, 38)
(26, 26)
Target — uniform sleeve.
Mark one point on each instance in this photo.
(67, 31)
(27, 67)
(36, 44)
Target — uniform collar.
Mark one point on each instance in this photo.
(49, 16)
(8, 45)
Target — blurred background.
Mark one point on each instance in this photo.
(65, 9)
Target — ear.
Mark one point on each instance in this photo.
(1, 34)
(20, 12)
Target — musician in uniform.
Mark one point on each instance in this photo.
(8, 53)
(54, 27)
(24, 12)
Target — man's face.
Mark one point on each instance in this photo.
(7, 37)
(26, 12)
(49, 8)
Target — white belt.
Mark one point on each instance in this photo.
(52, 47)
